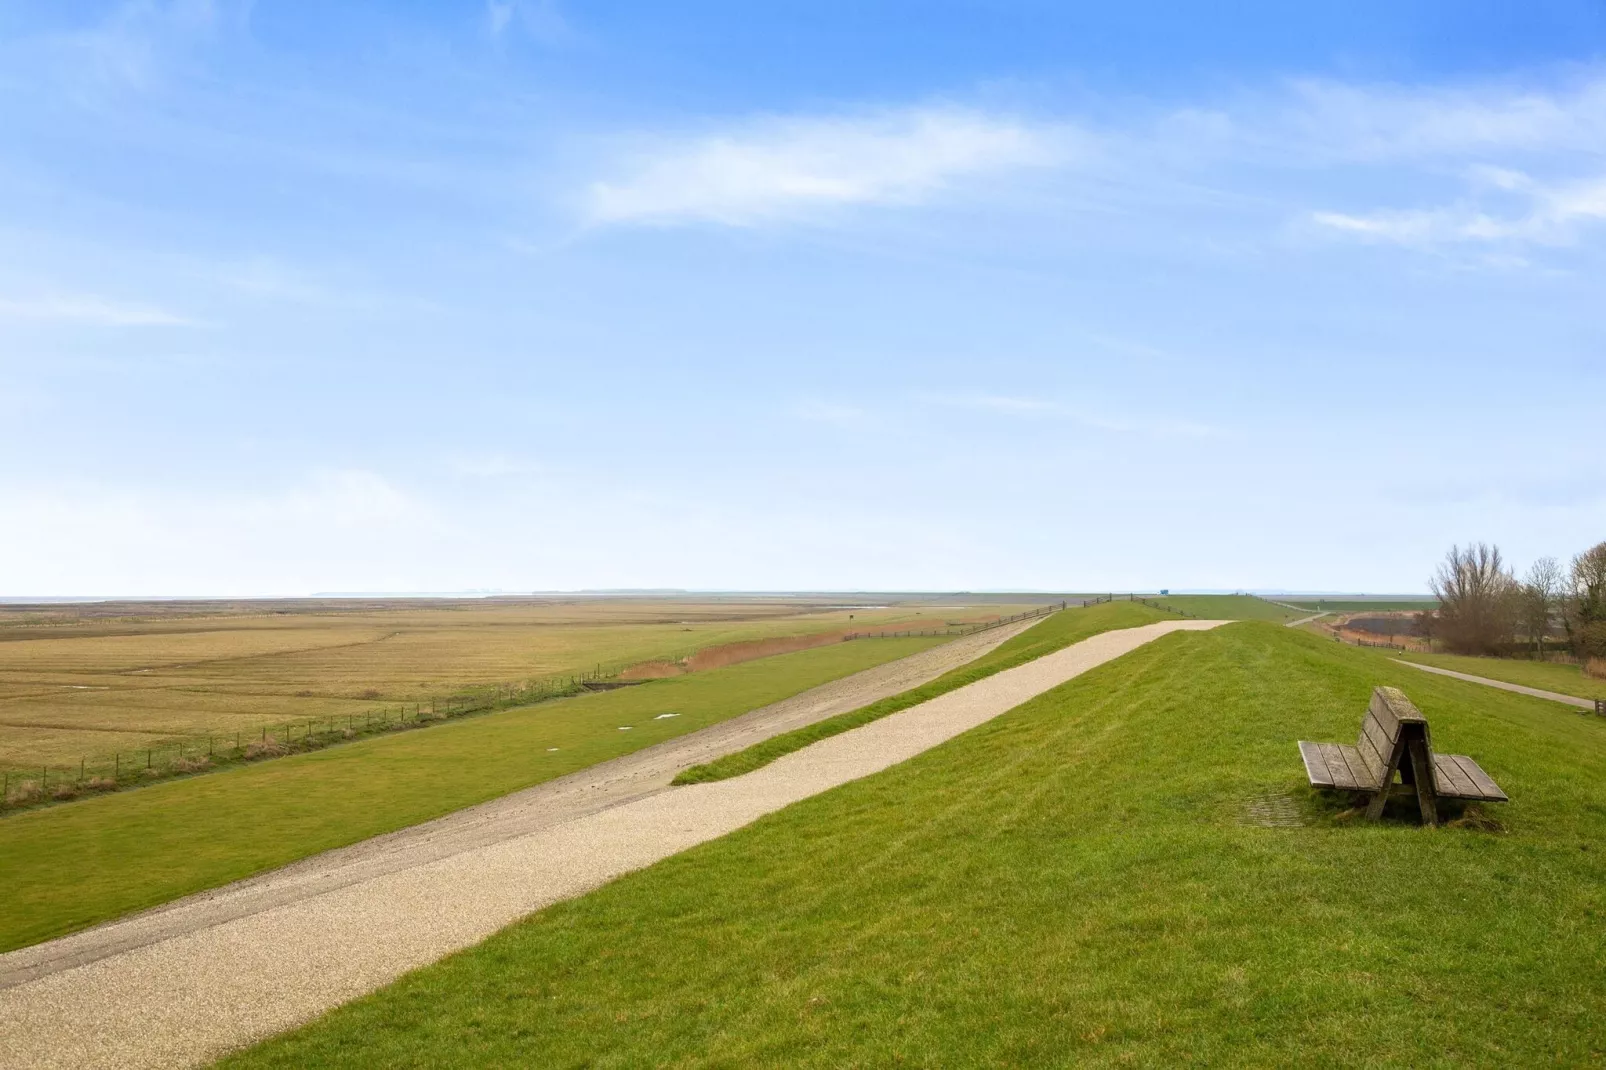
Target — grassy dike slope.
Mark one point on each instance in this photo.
(1076, 883)
(66, 867)
(1048, 635)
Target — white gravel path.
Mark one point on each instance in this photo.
(183, 1000)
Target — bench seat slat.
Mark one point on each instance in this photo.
(1483, 788)
(1449, 780)
(1315, 765)
(1349, 772)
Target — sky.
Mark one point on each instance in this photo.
(530, 295)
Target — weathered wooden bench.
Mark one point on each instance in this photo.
(1394, 738)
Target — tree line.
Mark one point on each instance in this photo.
(1485, 609)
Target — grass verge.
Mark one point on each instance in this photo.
(70, 866)
(1547, 675)
(1080, 882)
(1052, 633)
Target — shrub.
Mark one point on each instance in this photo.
(1586, 604)
(1478, 601)
(25, 791)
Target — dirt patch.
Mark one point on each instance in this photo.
(718, 657)
(653, 670)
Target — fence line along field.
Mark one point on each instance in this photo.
(86, 682)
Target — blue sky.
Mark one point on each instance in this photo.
(430, 296)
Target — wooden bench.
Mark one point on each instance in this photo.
(1394, 738)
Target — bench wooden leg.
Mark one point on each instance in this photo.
(1422, 773)
(1374, 809)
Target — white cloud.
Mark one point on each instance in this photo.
(497, 16)
(1549, 216)
(92, 310)
(780, 169)
(1394, 121)
(134, 44)
(1083, 415)
(824, 412)
(540, 19)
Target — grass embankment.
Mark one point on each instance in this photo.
(1227, 607)
(1051, 634)
(69, 866)
(1547, 675)
(1076, 883)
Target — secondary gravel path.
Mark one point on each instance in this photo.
(1303, 620)
(221, 981)
(1554, 696)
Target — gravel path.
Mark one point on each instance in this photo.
(218, 972)
(1303, 620)
(1554, 696)
(585, 791)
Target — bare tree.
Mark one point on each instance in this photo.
(1477, 600)
(1541, 595)
(1585, 615)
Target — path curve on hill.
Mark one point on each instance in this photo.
(1554, 696)
(211, 982)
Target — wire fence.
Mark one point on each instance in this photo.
(1152, 604)
(22, 788)
(207, 752)
(95, 774)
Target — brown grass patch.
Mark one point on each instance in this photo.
(653, 670)
(1595, 667)
(718, 657)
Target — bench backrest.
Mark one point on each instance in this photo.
(1389, 718)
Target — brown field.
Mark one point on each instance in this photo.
(80, 682)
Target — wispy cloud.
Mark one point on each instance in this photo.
(133, 44)
(90, 310)
(1547, 215)
(823, 412)
(539, 19)
(1379, 122)
(1152, 426)
(782, 169)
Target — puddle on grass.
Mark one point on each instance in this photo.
(1274, 812)
(661, 716)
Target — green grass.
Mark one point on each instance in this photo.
(1227, 607)
(1048, 635)
(70, 866)
(1075, 884)
(1547, 675)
